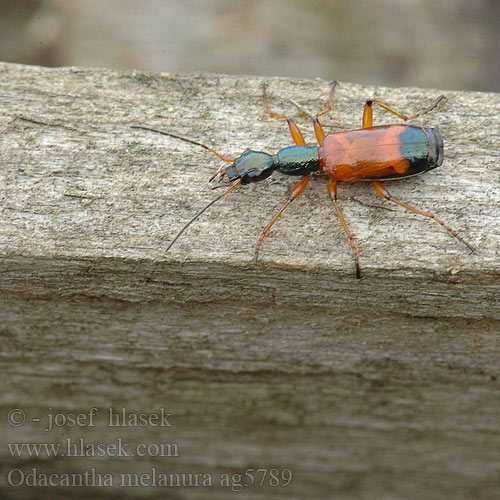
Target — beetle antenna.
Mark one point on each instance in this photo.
(221, 172)
(190, 141)
(233, 185)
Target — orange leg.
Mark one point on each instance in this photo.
(295, 132)
(297, 190)
(368, 112)
(318, 129)
(382, 191)
(332, 191)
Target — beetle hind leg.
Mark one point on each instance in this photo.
(382, 191)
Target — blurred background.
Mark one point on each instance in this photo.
(447, 44)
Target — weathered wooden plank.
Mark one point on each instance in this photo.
(97, 188)
(384, 387)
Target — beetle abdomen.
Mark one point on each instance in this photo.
(378, 153)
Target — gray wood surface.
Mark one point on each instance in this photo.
(387, 387)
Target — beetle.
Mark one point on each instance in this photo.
(373, 153)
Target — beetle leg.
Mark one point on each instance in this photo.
(382, 191)
(368, 112)
(318, 129)
(297, 190)
(295, 132)
(332, 191)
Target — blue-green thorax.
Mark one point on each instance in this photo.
(254, 166)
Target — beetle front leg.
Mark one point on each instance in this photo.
(297, 190)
